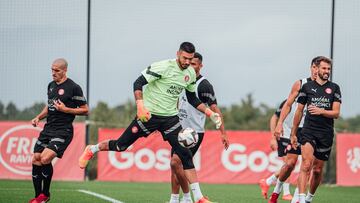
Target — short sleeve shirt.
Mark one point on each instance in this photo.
(71, 95)
(278, 110)
(166, 80)
(322, 96)
(205, 92)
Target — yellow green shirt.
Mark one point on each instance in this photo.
(166, 80)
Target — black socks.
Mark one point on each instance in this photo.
(37, 179)
(47, 172)
(41, 176)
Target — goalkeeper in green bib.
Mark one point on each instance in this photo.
(157, 111)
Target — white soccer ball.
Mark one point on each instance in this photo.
(188, 137)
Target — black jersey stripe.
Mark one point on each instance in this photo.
(148, 71)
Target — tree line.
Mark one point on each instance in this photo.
(245, 115)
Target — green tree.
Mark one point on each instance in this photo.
(354, 124)
(125, 113)
(2, 113)
(342, 125)
(245, 116)
(11, 112)
(30, 112)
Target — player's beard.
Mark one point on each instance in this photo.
(324, 76)
(184, 66)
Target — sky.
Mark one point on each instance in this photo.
(253, 47)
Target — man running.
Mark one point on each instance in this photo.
(65, 100)
(193, 118)
(323, 99)
(157, 110)
(288, 115)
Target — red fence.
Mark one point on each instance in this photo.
(248, 159)
(348, 159)
(17, 140)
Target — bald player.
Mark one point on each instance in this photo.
(65, 101)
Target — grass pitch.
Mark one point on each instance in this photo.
(62, 191)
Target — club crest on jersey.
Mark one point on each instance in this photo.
(186, 78)
(328, 90)
(61, 91)
(134, 130)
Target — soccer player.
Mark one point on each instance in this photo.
(157, 110)
(193, 118)
(281, 146)
(287, 114)
(323, 99)
(65, 100)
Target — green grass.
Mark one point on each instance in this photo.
(22, 191)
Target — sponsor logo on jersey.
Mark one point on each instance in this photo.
(314, 90)
(328, 90)
(174, 90)
(61, 91)
(51, 105)
(321, 102)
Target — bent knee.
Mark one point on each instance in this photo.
(306, 166)
(36, 159)
(290, 164)
(45, 160)
(175, 162)
(317, 171)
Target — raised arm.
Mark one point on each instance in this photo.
(142, 113)
(196, 103)
(81, 110)
(333, 113)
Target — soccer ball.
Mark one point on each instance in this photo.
(188, 137)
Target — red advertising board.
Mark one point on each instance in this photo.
(17, 140)
(248, 159)
(348, 159)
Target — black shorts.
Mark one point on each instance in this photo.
(195, 148)
(168, 126)
(320, 141)
(298, 149)
(57, 141)
(284, 145)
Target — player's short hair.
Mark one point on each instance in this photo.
(317, 60)
(187, 47)
(62, 61)
(198, 56)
